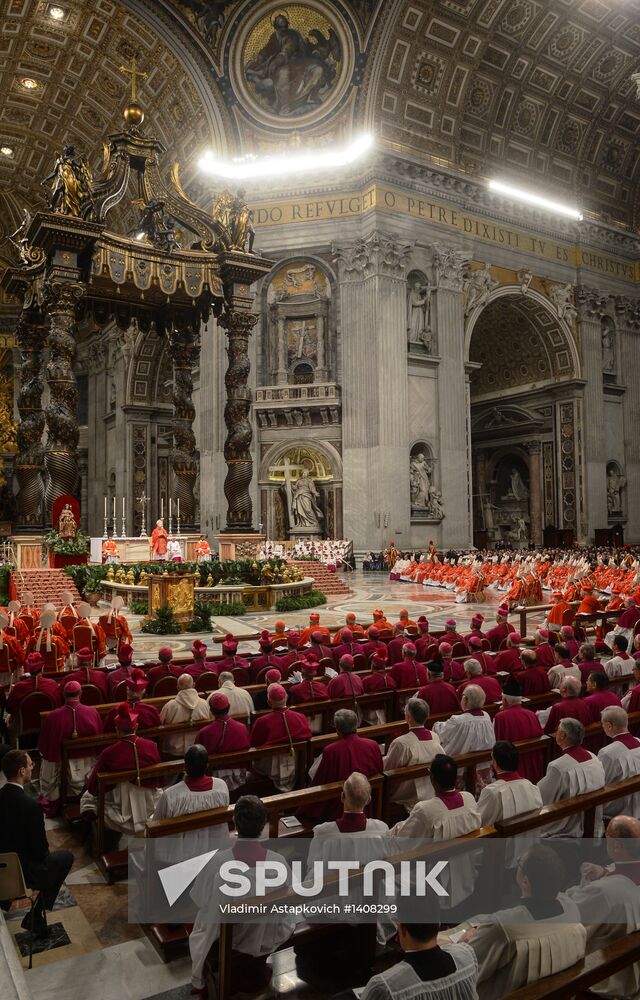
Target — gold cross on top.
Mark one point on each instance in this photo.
(135, 73)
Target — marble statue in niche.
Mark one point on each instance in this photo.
(420, 481)
(616, 482)
(518, 489)
(419, 311)
(608, 345)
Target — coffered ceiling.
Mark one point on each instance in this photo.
(525, 89)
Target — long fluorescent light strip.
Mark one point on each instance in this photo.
(247, 168)
(535, 199)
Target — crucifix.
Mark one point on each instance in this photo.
(287, 467)
(134, 72)
(143, 502)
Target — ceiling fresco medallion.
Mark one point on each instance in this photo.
(291, 64)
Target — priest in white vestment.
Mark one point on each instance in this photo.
(609, 902)
(539, 937)
(252, 942)
(427, 970)
(240, 701)
(470, 731)
(446, 816)
(575, 772)
(187, 706)
(418, 746)
(508, 796)
(620, 760)
(197, 792)
(563, 667)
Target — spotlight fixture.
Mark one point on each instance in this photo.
(535, 199)
(252, 167)
(28, 83)
(6, 150)
(57, 13)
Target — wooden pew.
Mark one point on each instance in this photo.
(619, 957)
(169, 769)
(579, 978)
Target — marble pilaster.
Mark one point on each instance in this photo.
(534, 449)
(628, 324)
(376, 500)
(448, 267)
(592, 307)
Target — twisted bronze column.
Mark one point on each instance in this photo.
(185, 466)
(31, 333)
(236, 416)
(61, 457)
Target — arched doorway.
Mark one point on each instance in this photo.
(526, 420)
(281, 467)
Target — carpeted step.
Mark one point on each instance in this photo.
(330, 584)
(46, 585)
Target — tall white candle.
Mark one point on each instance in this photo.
(169, 510)
(178, 503)
(123, 503)
(161, 506)
(105, 506)
(114, 510)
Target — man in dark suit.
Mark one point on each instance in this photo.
(22, 832)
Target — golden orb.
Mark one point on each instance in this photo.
(133, 113)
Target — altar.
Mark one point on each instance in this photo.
(137, 550)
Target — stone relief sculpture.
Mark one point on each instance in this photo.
(562, 298)
(419, 311)
(608, 346)
(524, 280)
(615, 485)
(478, 285)
(304, 502)
(434, 507)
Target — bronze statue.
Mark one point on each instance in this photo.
(72, 182)
(236, 219)
(157, 227)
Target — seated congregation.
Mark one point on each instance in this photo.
(399, 733)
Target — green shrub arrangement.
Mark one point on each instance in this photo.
(5, 572)
(162, 623)
(77, 546)
(138, 607)
(87, 578)
(311, 600)
(230, 572)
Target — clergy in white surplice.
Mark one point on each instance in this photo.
(620, 760)
(609, 902)
(446, 816)
(575, 772)
(418, 746)
(539, 937)
(469, 731)
(252, 942)
(510, 794)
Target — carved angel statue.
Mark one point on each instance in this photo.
(478, 284)
(434, 507)
(72, 182)
(525, 278)
(420, 482)
(158, 227)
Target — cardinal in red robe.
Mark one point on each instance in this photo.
(500, 631)
(339, 760)
(515, 722)
(223, 735)
(34, 664)
(86, 674)
(509, 659)
(148, 715)
(308, 689)
(165, 667)
(230, 660)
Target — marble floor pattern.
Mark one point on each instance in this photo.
(103, 948)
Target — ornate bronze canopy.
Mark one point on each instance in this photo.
(174, 269)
